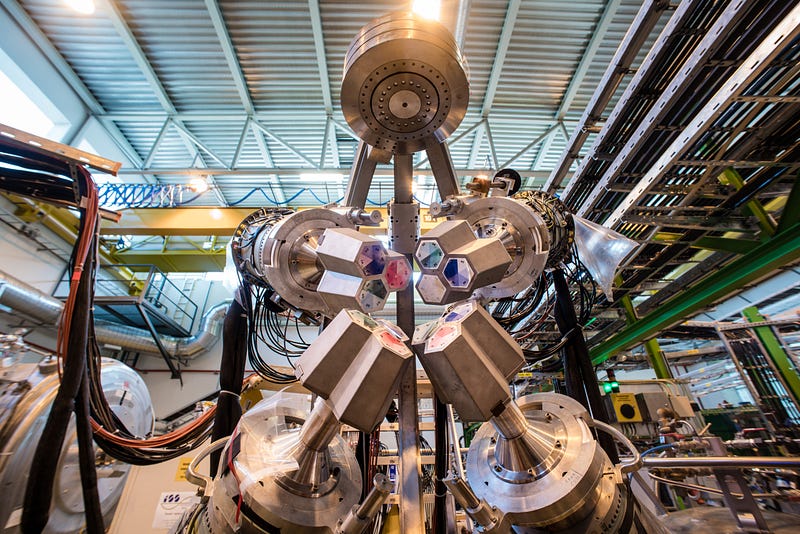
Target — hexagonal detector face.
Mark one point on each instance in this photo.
(389, 340)
(363, 319)
(442, 337)
(458, 273)
(372, 296)
(372, 259)
(428, 254)
(430, 289)
(397, 272)
(459, 312)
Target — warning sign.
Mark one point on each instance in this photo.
(183, 465)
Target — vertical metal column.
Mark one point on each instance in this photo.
(403, 232)
(782, 365)
(748, 382)
(657, 359)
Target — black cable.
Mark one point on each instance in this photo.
(440, 465)
(579, 374)
(86, 460)
(41, 479)
(231, 372)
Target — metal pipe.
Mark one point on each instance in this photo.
(138, 340)
(362, 515)
(31, 302)
(722, 461)
(317, 432)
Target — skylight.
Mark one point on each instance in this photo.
(19, 111)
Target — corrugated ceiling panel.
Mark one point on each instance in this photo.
(544, 51)
(275, 46)
(96, 54)
(179, 40)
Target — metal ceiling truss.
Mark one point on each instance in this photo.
(491, 84)
(93, 107)
(640, 29)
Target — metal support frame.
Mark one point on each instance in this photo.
(403, 225)
(175, 372)
(442, 168)
(748, 383)
(619, 66)
(783, 34)
(774, 351)
(656, 356)
(361, 174)
(752, 206)
(692, 68)
(411, 510)
(764, 259)
(791, 213)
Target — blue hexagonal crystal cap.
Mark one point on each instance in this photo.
(457, 272)
(371, 259)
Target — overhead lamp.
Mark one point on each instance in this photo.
(84, 7)
(429, 9)
(215, 214)
(198, 184)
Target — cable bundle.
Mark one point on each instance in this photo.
(524, 315)
(268, 325)
(71, 345)
(61, 181)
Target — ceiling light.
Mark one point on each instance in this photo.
(215, 214)
(429, 9)
(198, 185)
(84, 7)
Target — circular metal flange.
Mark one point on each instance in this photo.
(404, 82)
(521, 230)
(271, 503)
(568, 492)
(288, 257)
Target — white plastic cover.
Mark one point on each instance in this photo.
(267, 442)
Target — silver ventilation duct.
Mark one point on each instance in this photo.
(138, 340)
(29, 301)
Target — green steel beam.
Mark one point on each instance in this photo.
(764, 259)
(754, 207)
(657, 360)
(775, 352)
(725, 244)
(791, 212)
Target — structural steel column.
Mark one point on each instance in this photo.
(753, 206)
(775, 352)
(656, 356)
(404, 229)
